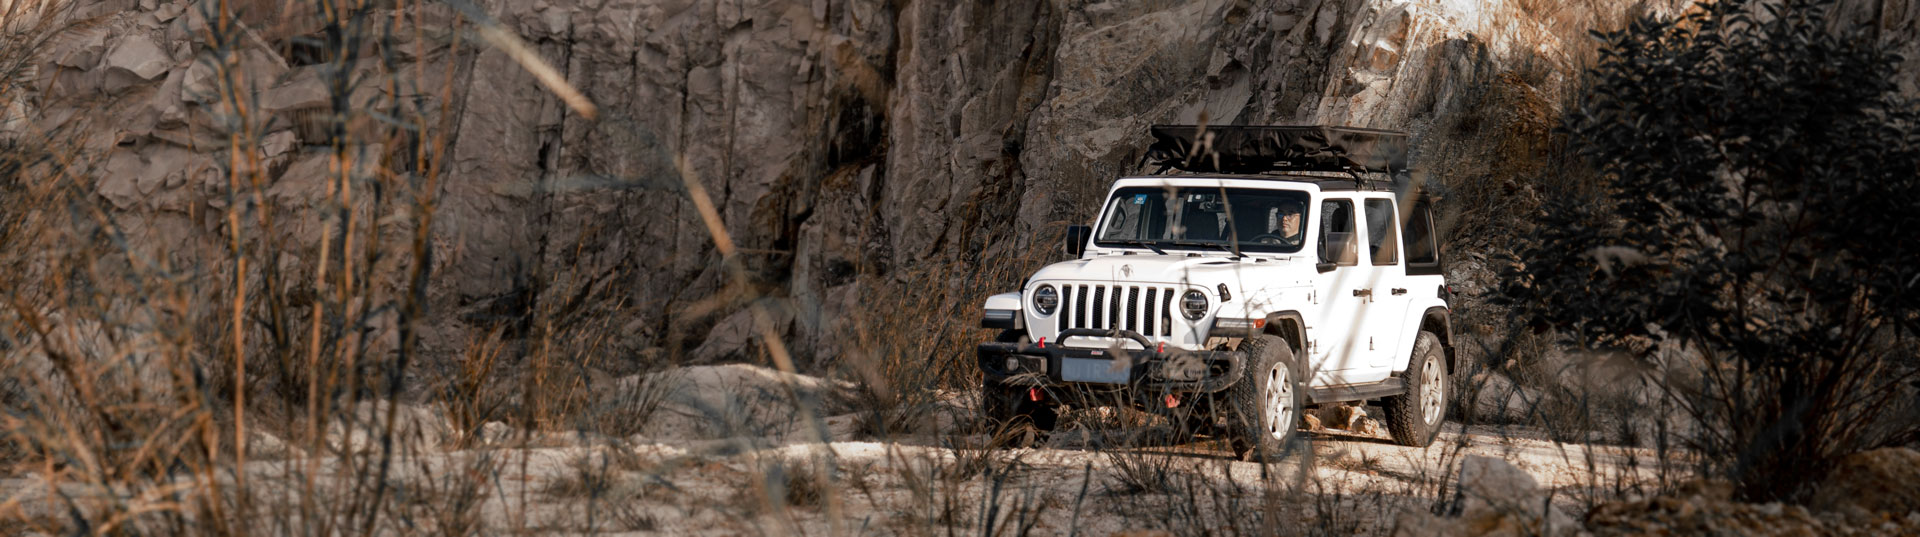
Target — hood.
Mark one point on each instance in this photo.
(1178, 269)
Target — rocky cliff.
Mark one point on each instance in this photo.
(857, 151)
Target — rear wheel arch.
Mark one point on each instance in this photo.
(1437, 321)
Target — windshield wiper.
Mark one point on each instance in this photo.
(1150, 246)
(1222, 247)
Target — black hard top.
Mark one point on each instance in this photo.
(1258, 149)
(1327, 183)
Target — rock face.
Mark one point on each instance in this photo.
(917, 154)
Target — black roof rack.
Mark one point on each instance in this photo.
(1243, 149)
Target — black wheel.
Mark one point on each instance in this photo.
(1010, 411)
(1414, 417)
(1264, 406)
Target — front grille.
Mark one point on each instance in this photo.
(1147, 310)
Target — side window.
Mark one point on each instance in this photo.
(1338, 243)
(1423, 249)
(1382, 246)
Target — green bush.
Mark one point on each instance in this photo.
(1758, 218)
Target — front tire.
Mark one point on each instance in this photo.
(1009, 412)
(1414, 417)
(1265, 405)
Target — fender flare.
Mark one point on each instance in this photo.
(1290, 326)
(1438, 320)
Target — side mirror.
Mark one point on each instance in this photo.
(1077, 240)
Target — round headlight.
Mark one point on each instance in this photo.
(1045, 300)
(1194, 305)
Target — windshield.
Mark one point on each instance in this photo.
(1257, 220)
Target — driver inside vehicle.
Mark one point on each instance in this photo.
(1283, 225)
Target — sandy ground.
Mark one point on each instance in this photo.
(690, 477)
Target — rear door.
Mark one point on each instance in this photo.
(1388, 296)
(1337, 340)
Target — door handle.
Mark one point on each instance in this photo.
(1399, 291)
(1363, 292)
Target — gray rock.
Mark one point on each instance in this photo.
(168, 12)
(1494, 492)
(1490, 484)
(278, 143)
(79, 50)
(135, 59)
(120, 182)
(1497, 399)
(303, 91)
(166, 165)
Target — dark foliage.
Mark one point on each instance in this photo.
(1758, 221)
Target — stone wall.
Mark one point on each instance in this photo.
(851, 147)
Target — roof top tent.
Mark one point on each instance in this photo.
(1252, 150)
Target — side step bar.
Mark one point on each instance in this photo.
(1357, 392)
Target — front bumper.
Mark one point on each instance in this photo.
(1159, 371)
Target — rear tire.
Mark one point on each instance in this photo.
(1414, 418)
(1264, 406)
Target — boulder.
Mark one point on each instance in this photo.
(168, 12)
(166, 166)
(305, 90)
(255, 70)
(736, 335)
(120, 182)
(279, 143)
(135, 59)
(80, 50)
(1498, 498)
(1497, 399)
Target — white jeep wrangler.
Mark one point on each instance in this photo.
(1238, 292)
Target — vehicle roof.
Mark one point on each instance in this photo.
(1325, 183)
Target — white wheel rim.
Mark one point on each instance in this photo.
(1431, 395)
(1279, 402)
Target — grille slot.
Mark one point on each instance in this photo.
(1150, 317)
(1166, 313)
(1099, 307)
(1133, 309)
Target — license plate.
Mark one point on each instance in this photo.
(1092, 370)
